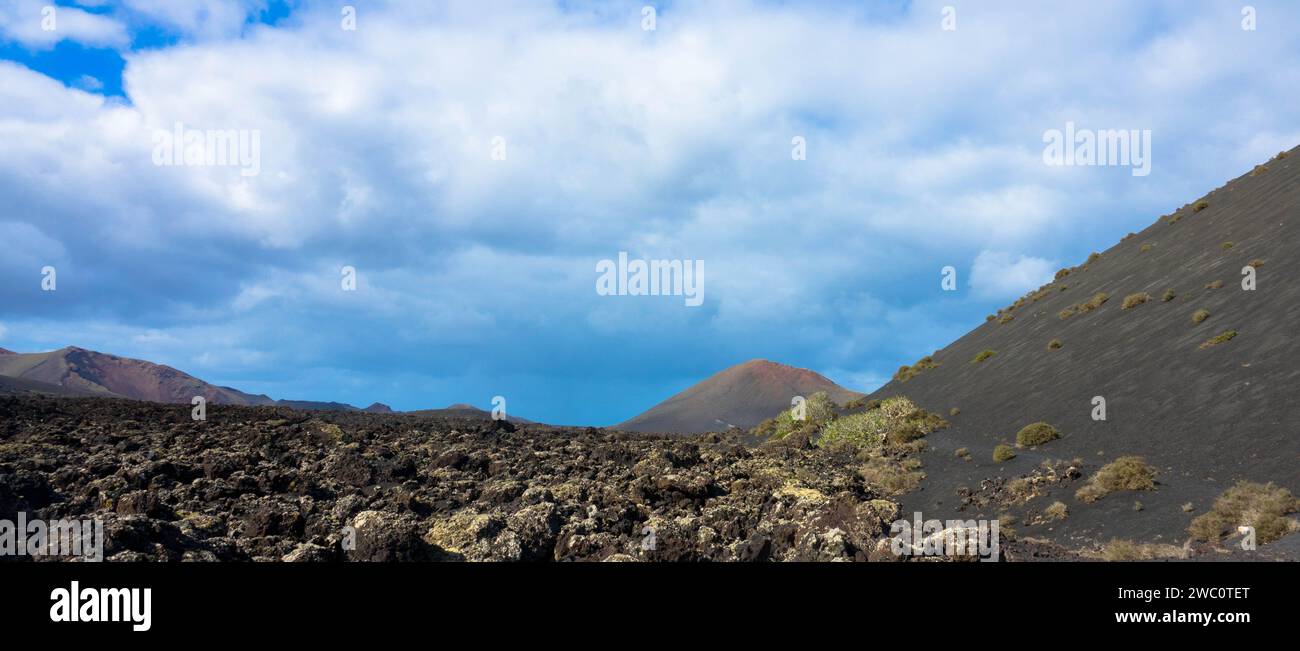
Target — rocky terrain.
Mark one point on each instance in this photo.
(275, 484)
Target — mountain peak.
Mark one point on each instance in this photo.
(740, 396)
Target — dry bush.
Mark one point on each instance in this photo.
(1127, 550)
(1223, 337)
(1003, 452)
(1248, 504)
(1134, 300)
(1057, 511)
(1124, 473)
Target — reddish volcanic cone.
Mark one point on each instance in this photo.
(741, 396)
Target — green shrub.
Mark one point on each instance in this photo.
(1061, 273)
(1054, 344)
(1200, 315)
(861, 430)
(896, 421)
(1003, 452)
(1200, 205)
(906, 373)
(962, 453)
(1220, 338)
(1169, 295)
(1144, 248)
(983, 355)
(1036, 434)
(1134, 300)
(818, 409)
(1226, 245)
(1248, 504)
(1006, 318)
(1124, 473)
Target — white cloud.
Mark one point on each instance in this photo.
(89, 83)
(26, 21)
(1001, 275)
(922, 152)
(197, 18)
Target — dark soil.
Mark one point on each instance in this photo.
(1204, 417)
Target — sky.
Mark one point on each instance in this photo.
(474, 162)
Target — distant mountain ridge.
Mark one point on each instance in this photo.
(741, 396)
(73, 371)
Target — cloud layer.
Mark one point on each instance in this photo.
(476, 273)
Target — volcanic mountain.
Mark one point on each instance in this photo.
(73, 371)
(1197, 365)
(740, 396)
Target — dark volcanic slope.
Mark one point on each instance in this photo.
(1205, 417)
(740, 396)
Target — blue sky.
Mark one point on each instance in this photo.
(476, 276)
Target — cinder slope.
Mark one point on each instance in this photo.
(460, 410)
(15, 386)
(1205, 417)
(740, 396)
(112, 376)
